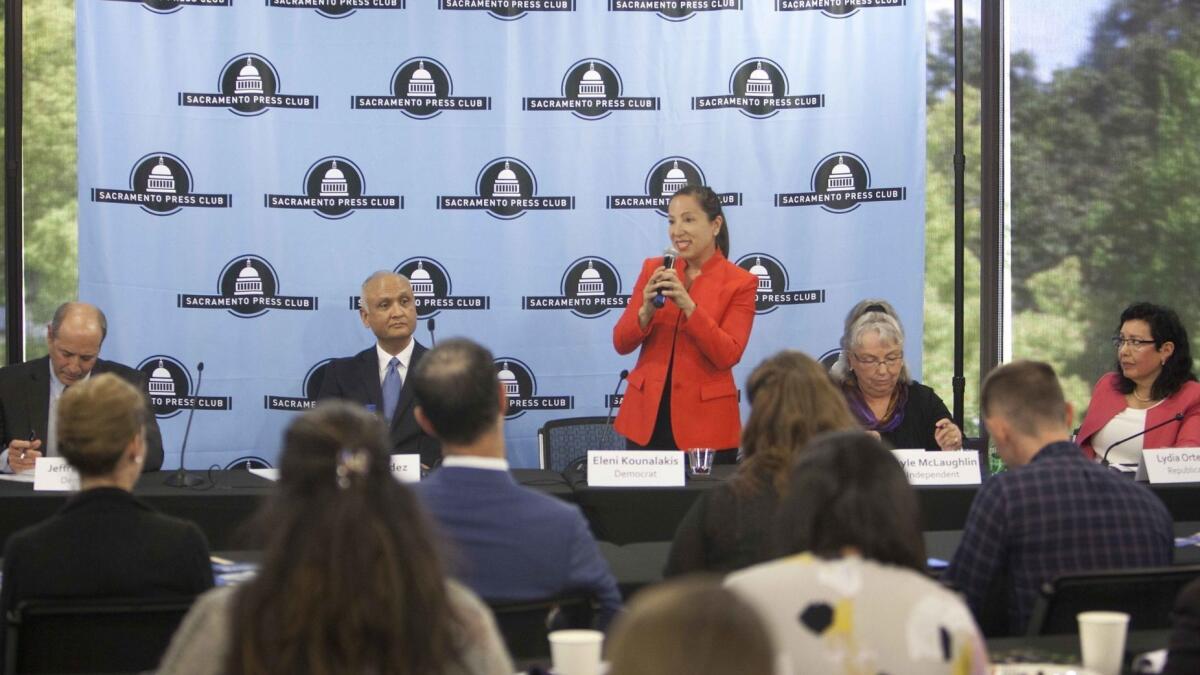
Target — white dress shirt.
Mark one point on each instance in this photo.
(405, 356)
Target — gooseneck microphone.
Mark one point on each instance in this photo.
(180, 477)
(1177, 418)
(432, 338)
(612, 400)
(669, 256)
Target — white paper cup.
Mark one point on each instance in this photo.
(576, 652)
(1102, 640)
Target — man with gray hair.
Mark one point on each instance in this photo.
(1054, 512)
(29, 391)
(377, 377)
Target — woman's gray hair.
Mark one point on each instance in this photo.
(870, 315)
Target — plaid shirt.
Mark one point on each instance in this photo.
(1057, 515)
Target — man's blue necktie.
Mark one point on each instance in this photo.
(391, 389)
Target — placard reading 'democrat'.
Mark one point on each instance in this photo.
(635, 468)
(53, 473)
(960, 467)
(406, 468)
(1170, 465)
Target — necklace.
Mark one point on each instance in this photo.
(1139, 398)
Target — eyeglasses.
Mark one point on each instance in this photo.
(1133, 343)
(872, 362)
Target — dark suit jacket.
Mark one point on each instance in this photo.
(105, 543)
(356, 378)
(25, 403)
(507, 542)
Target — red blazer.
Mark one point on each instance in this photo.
(1107, 401)
(704, 398)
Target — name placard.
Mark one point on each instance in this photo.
(53, 473)
(1170, 465)
(635, 468)
(406, 468)
(955, 467)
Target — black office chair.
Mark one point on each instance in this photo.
(563, 442)
(113, 635)
(1146, 594)
(525, 625)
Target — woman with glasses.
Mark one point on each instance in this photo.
(1151, 389)
(877, 387)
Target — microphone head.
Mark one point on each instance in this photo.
(624, 374)
(430, 323)
(670, 255)
(200, 367)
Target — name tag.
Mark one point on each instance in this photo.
(53, 473)
(957, 467)
(406, 468)
(1170, 465)
(635, 468)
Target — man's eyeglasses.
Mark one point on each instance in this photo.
(1133, 343)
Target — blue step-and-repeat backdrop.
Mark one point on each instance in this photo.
(245, 164)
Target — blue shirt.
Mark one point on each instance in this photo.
(1057, 515)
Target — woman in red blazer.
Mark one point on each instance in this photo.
(1152, 385)
(681, 394)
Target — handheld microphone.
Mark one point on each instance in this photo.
(1177, 418)
(432, 338)
(669, 256)
(180, 477)
(612, 400)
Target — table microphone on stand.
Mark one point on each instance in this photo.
(1177, 418)
(180, 477)
(432, 338)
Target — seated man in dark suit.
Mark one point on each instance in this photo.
(377, 377)
(29, 391)
(104, 542)
(507, 542)
(1053, 512)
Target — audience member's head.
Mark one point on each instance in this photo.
(73, 340)
(457, 394)
(101, 429)
(693, 626)
(849, 495)
(349, 581)
(1024, 410)
(791, 400)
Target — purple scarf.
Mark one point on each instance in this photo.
(858, 406)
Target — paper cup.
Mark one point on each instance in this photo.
(576, 652)
(1102, 640)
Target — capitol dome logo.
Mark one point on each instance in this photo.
(508, 10)
(172, 6)
(590, 287)
(248, 85)
(432, 288)
(421, 88)
(520, 389)
(829, 359)
(840, 183)
(665, 178)
(336, 9)
(310, 388)
(161, 184)
(759, 88)
(334, 187)
(837, 9)
(772, 291)
(170, 387)
(247, 287)
(248, 462)
(591, 89)
(673, 10)
(506, 188)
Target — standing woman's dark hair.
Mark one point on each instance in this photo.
(349, 581)
(710, 203)
(848, 491)
(1165, 326)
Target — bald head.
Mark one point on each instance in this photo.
(388, 308)
(74, 337)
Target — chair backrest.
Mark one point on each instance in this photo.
(112, 635)
(1147, 595)
(525, 625)
(563, 442)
